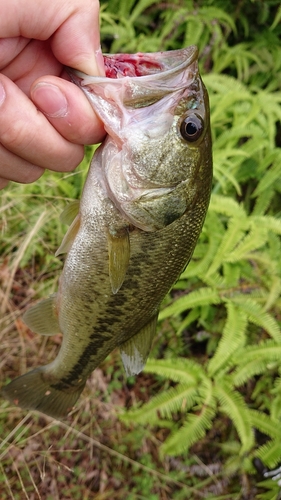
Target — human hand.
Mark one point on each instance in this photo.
(46, 120)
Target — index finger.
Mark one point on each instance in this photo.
(73, 28)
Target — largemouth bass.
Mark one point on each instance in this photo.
(140, 215)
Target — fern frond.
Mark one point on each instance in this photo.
(256, 315)
(268, 222)
(230, 240)
(275, 409)
(199, 266)
(267, 350)
(274, 293)
(223, 163)
(233, 337)
(249, 369)
(227, 206)
(255, 239)
(270, 453)
(202, 297)
(180, 398)
(254, 359)
(194, 428)
(234, 406)
(271, 166)
(179, 370)
(263, 202)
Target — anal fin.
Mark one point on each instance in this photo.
(135, 351)
(42, 317)
(119, 256)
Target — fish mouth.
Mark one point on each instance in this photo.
(140, 65)
(139, 79)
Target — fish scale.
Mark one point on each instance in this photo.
(141, 212)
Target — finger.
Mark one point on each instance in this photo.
(26, 132)
(10, 48)
(81, 30)
(14, 168)
(73, 26)
(68, 110)
(35, 60)
(3, 183)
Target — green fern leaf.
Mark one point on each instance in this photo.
(267, 350)
(270, 453)
(227, 206)
(209, 13)
(256, 315)
(249, 369)
(275, 409)
(194, 428)
(140, 7)
(180, 398)
(255, 239)
(274, 293)
(268, 222)
(179, 370)
(230, 240)
(233, 337)
(265, 424)
(202, 297)
(271, 166)
(232, 403)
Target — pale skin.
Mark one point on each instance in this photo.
(45, 120)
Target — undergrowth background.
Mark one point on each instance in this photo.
(209, 400)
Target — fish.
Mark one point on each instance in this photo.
(135, 228)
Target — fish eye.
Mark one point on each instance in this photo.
(191, 127)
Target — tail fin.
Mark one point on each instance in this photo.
(32, 392)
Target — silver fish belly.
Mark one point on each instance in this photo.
(141, 212)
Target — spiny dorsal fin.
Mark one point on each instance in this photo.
(70, 212)
(135, 351)
(69, 237)
(42, 317)
(119, 256)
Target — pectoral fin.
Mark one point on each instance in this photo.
(119, 256)
(70, 212)
(42, 317)
(69, 237)
(135, 351)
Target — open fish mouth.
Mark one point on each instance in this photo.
(157, 67)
